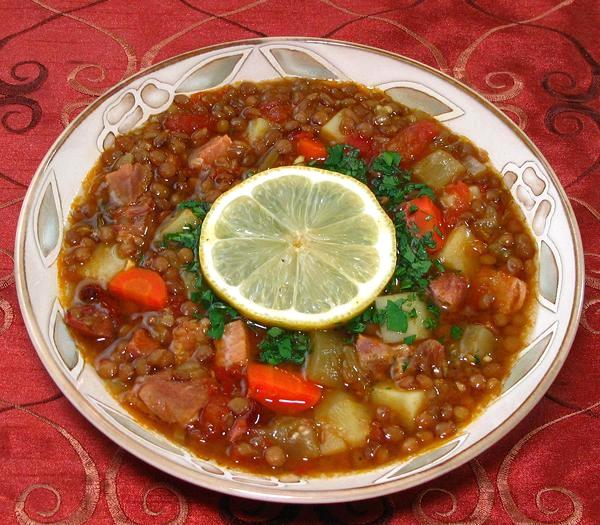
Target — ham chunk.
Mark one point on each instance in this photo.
(449, 290)
(126, 184)
(170, 401)
(209, 152)
(233, 349)
(375, 356)
(428, 357)
(134, 219)
(189, 338)
(508, 293)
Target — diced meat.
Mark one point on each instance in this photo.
(233, 349)
(189, 338)
(375, 356)
(209, 152)
(243, 424)
(428, 356)
(508, 293)
(142, 343)
(449, 290)
(126, 184)
(170, 401)
(91, 320)
(135, 219)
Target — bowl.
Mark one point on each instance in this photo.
(523, 168)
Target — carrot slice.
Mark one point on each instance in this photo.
(427, 218)
(280, 390)
(310, 148)
(143, 286)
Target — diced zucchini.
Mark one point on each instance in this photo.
(438, 169)
(340, 413)
(406, 404)
(257, 129)
(332, 129)
(458, 253)
(416, 323)
(477, 340)
(104, 264)
(324, 362)
(176, 223)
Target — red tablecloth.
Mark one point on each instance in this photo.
(535, 59)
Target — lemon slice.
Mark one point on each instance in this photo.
(298, 247)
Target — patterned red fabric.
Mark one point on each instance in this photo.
(537, 60)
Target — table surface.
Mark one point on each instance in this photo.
(537, 60)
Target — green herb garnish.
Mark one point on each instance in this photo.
(280, 346)
(345, 159)
(456, 332)
(218, 313)
(199, 208)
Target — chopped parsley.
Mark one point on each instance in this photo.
(344, 159)
(456, 332)
(405, 364)
(394, 182)
(413, 262)
(396, 319)
(218, 313)
(280, 346)
(410, 339)
(432, 322)
(358, 324)
(199, 208)
(188, 237)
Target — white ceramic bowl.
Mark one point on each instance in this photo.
(525, 171)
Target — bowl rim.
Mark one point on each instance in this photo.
(277, 494)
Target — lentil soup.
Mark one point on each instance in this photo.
(404, 375)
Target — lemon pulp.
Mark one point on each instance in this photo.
(298, 247)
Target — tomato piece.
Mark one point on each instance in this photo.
(507, 291)
(145, 287)
(310, 148)
(142, 343)
(456, 198)
(426, 217)
(363, 144)
(280, 390)
(412, 141)
(187, 124)
(276, 110)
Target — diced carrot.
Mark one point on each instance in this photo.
(310, 148)
(427, 218)
(145, 287)
(280, 390)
